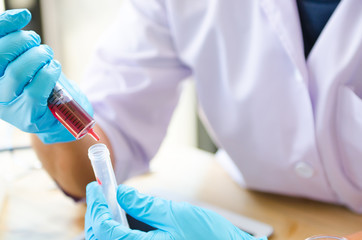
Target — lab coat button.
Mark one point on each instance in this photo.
(304, 170)
(299, 78)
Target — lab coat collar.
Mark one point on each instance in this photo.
(284, 18)
(339, 46)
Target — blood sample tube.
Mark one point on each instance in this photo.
(103, 170)
(70, 113)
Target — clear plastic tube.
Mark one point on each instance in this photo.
(102, 167)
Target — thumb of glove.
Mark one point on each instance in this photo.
(153, 211)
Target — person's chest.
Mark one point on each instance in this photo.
(265, 102)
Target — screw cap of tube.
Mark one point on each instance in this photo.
(98, 152)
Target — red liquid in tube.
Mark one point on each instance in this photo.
(74, 118)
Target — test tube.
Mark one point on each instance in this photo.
(102, 167)
(70, 113)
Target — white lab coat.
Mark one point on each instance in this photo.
(290, 125)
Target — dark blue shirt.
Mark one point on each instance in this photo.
(314, 15)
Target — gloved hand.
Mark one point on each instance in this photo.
(173, 220)
(28, 74)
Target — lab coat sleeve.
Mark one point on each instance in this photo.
(133, 84)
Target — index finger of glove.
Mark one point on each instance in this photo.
(13, 20)
(15, 44)
(26, 69)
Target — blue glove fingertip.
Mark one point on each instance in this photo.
(93, 189)
(57, 63)
(123, 191)
(47, 77)
(35, 36)
(17, 13)
(13, 20)
(91, 186)
(50, 73)
(49, 51)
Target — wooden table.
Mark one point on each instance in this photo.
(33, 208)
(197, 175)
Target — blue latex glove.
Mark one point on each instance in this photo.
(28, 74)
(173, 220)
